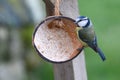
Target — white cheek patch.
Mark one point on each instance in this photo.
(83, 23)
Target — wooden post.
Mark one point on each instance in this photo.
(76, 69)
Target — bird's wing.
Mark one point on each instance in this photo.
(88, 36)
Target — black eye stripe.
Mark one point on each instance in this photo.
(82, 20)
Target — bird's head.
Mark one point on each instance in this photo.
(83, 22)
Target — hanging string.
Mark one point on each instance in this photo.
(57, 5)
(58, 23)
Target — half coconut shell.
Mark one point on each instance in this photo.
(55, 39)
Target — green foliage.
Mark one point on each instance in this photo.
(43, 72)
(26, 34)
(105, 17)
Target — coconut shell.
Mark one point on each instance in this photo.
(55, 39)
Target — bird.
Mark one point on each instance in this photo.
(86, 34)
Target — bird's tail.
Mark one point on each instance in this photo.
(99, 51)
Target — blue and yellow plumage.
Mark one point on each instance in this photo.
(86, 34)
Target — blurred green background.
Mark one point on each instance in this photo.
(106, 20)
(18, 59)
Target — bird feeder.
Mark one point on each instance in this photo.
(55, 39)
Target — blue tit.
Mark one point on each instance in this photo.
(86, 34)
